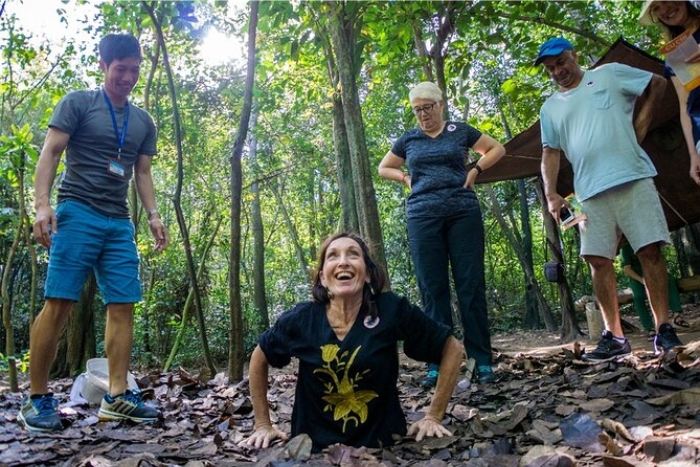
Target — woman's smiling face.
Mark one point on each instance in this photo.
(344, 271)
(670, 13)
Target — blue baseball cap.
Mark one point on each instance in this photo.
(553, 47)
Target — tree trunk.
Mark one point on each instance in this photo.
(78, 344)
(533, 294)
(259, 297)
(184, 233)
(7, 306)
(545, 312)
(569, 323)
(294, 236)
(687, 242)
(342, 26)
(188, 301)
(349, 221)
(236, 349)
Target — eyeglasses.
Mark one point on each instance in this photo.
(424, 108)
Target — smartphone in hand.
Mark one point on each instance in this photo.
(566, 215)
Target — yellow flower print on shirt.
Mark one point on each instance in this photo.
(346, 404)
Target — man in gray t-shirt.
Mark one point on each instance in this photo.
(106, 139)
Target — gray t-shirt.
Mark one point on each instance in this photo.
(438, 169)
(85, 116)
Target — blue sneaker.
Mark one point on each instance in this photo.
(38, 413)
(485, 374)
(127, 406)
(430, 379)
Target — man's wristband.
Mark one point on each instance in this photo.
(478, 169)
(152, 212)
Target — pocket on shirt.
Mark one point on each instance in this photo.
(601, 99)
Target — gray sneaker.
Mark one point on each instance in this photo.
(38, 413)
(127, 406)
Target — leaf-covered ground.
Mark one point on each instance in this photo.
(547, 409)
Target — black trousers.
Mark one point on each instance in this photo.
(456, 241)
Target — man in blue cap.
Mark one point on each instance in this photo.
(591, 119)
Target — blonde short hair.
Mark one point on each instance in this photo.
(425, 90)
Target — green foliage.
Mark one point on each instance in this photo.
(21, 362)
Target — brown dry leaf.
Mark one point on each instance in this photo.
(348, 456)
(545, 456)
(690, 396)
(544, 433)
(617, 428)
(299, 447)
(628, 461)
(659, 449)
(609, 444)
(464, 413)
(597, 405)
(565, 409)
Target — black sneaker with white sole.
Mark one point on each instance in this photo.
(608, 349)
(666, 339)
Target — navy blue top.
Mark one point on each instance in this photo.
(346, 390)
(438, 170)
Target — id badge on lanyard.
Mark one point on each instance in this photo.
(115, 165)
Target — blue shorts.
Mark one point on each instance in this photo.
(632, 209)
(87, 240)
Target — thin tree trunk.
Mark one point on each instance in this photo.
(190, 297)
(303, 264)
(342, 26)
(259, 296)
(150, 8)
(542, 306)
(421, 49)
(33, 261)
(7, 305)
(349, 221)
(236, 350)
(569, 324)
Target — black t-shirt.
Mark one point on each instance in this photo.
(346, 390)
(438, 169)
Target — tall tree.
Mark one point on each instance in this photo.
(236, 350)
(157, 23)
(259, 295)
(344, 22)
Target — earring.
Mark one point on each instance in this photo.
(329, 293)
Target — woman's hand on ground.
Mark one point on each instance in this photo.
(428, 427)
(263, 436)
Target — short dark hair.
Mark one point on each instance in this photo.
(377, 278)
(118, 47)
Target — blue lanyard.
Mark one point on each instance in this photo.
(120, 137)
